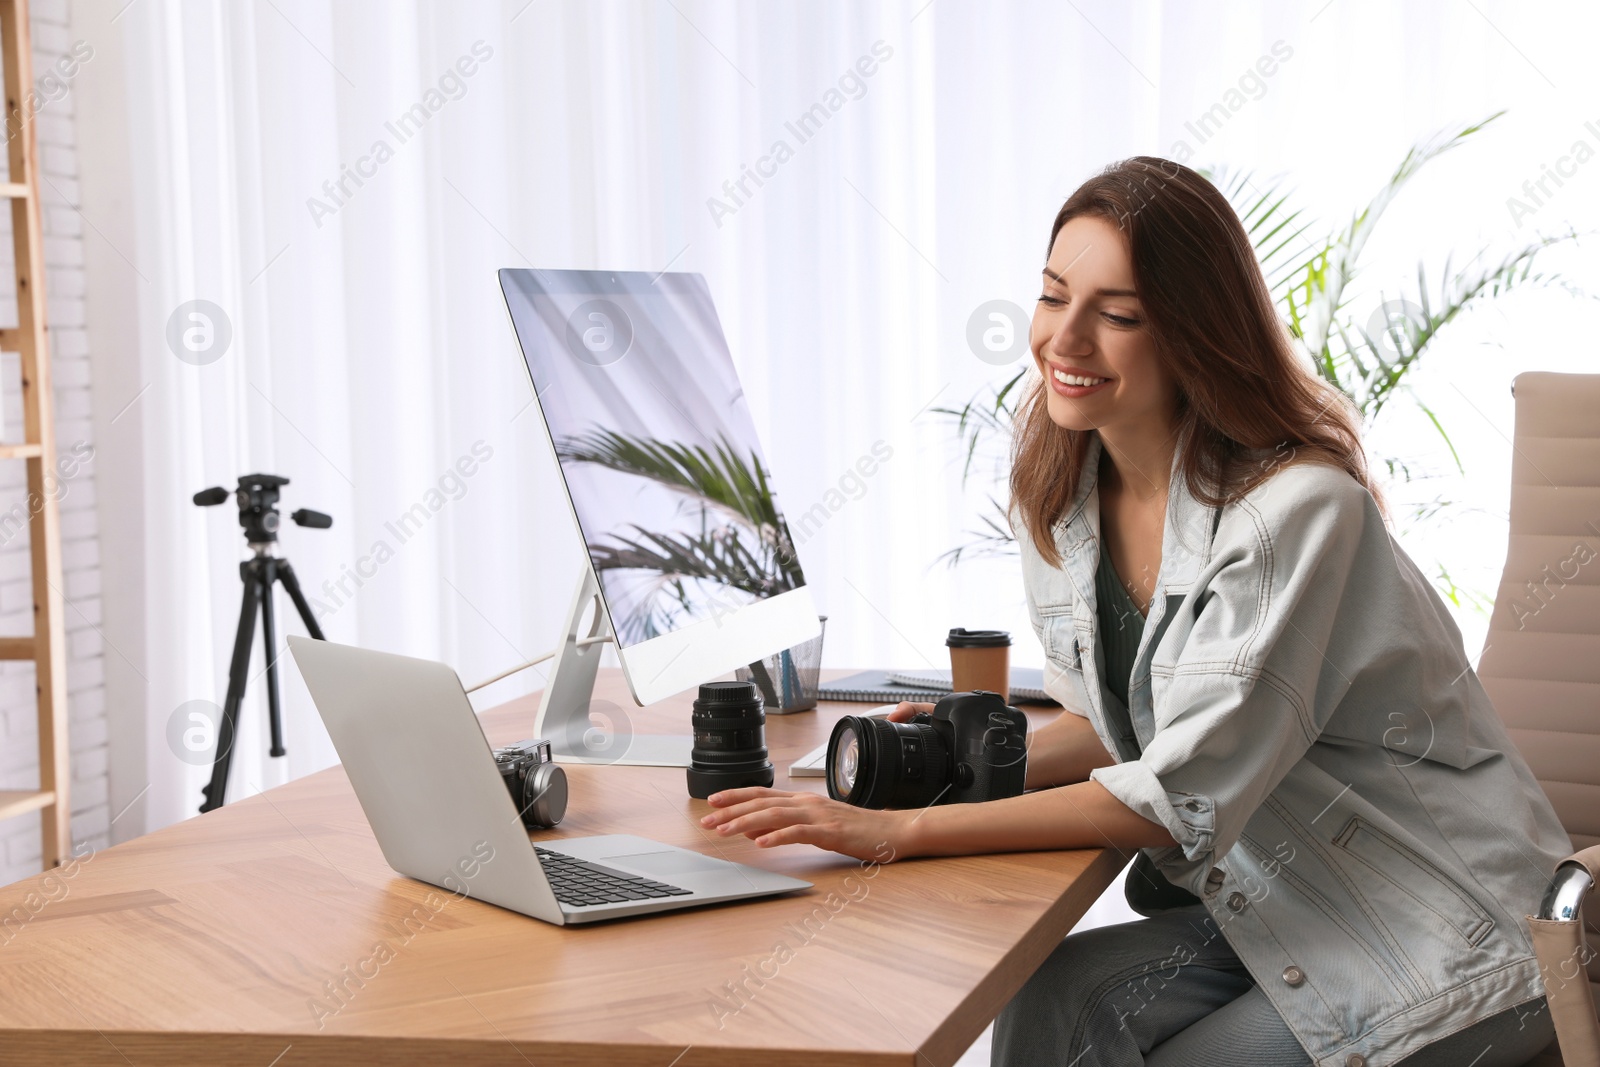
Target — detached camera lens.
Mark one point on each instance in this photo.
(730, 739)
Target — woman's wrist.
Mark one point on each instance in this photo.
(945, 830)
(908, 831)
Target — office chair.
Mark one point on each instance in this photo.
(1541, 667)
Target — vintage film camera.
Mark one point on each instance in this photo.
(538, 787)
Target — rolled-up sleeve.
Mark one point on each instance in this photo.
(1243, 680)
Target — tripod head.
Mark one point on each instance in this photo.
(258, 507)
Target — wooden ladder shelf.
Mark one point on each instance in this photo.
(47, 647)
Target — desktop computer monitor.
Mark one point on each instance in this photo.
(664, 474)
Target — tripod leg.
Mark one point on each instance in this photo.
(238, 675)
(292, 585)
(269, 636)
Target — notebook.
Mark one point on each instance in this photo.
(923, 687)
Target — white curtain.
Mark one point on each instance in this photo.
(340, 180)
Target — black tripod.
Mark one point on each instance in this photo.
(258, 514)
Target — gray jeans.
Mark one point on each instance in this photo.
(1109, 997)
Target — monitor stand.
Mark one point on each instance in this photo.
(579, 732)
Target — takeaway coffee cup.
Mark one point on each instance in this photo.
(980, 659)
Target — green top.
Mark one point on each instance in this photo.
(1121, 627)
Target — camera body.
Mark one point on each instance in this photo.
(538, 787)
(973, 747)
(989, 744)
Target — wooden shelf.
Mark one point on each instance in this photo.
(16, 648)
(14, 802)
(47, 647)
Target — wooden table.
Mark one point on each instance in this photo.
(272, 933)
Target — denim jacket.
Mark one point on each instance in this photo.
(1344, 798)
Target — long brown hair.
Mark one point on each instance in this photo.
(1244, 393)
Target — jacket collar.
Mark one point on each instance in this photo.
(1186, 536)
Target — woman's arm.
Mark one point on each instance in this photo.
(1064, 751)
(1082, 815)
(1079, 814)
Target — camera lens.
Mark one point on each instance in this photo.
(875, 763)
(844, 762)
(730, 739)
(544, 795)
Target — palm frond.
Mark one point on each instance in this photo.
(1437, 425)
(1394, 352)
(1461, 597)
(1276, 227)
(719, 479)
(977, 423)
(721, 557)
(743, 546)
(1338, 266)
(997, 540)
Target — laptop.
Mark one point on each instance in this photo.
(426, 778)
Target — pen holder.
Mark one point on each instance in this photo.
(788, 680)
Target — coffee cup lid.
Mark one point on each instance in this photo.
(964, 638)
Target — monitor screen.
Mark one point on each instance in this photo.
(663, 468)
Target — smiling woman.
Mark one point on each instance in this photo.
(1185, 333)
(1178, 447)
(1316, 889)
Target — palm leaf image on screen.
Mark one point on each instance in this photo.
(743, 544)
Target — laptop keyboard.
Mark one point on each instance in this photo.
(579, 882)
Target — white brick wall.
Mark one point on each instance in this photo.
(69, 351)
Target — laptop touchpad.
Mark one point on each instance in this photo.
(668, 862)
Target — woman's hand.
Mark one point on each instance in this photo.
(778, 817)
(905, 709)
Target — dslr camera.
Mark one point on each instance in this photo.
(973, 747)
(538, 787)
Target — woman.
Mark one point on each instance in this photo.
(1340, 842)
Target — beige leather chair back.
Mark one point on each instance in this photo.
(1541, 659)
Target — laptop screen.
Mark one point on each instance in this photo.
(666, 476)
